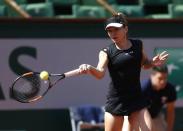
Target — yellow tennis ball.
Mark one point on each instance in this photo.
(44, 75)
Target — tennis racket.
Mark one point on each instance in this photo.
(29, 87)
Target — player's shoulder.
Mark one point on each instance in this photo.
(107, 48)
(135, 40)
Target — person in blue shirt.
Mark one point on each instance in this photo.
(159, 93)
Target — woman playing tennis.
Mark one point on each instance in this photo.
(124, 59)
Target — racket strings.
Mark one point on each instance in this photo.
(28, 87)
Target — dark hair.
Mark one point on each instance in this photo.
(122, 17)
(117, 18)
(162, 69)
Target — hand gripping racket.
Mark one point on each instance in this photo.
(29, 87)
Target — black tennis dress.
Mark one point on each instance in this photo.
(124, 94)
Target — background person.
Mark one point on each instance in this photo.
(160, 92)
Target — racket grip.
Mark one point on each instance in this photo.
(72, 73)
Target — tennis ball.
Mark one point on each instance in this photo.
(44, 75)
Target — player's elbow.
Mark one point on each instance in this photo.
(146, 67)
(99, 77)
(98, 74)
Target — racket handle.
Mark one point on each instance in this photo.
(72, 73)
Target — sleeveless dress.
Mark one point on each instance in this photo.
(124, 94)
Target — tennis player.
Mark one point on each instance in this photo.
(124, 59)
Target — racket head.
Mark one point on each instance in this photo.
(29, 87)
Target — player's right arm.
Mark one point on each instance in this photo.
(99, 71)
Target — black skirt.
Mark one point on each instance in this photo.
(118, 106)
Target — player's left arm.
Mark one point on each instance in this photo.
(157, 60)
(170, 115)
(146, 63)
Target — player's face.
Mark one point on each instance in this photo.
(117, 35)
(159, 80)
